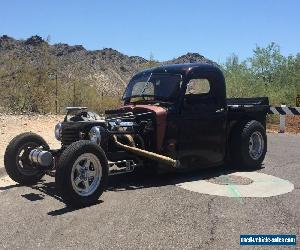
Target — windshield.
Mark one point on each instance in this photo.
(158, 87)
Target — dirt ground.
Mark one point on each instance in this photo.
(12, 125)
(292, 125)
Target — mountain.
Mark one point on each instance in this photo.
(107, 69)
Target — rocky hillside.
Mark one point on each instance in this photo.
(107, 69)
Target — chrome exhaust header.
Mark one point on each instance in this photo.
(150, 155)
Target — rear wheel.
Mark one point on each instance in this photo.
(248, 145)
(82, 173)
(16, 160)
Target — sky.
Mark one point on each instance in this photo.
(165, 29)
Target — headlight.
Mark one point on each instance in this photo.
(58, 131)
(95, 135)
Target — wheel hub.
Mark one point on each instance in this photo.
(22, 160)
(256, 145)
(83, 174)
(86, 174)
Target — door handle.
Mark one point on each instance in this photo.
(220, 110)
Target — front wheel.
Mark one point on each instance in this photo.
(248, 145)
(82, 173)
(16, 158)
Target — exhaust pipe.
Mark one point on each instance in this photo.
(150, 155)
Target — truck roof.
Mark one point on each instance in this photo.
(183, 69)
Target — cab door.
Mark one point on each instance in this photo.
(202, 122)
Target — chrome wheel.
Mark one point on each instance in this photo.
(24, 165)
(86, 174)
(256, 145)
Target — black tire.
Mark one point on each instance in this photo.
(63, 176)
(240, 153)
(24, 173)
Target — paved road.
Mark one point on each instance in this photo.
(141, 213)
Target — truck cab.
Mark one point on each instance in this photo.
(200, 119)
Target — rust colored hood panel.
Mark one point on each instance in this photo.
(161, 121)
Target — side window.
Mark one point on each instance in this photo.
(198, 87)
(198, 96)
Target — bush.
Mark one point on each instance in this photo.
(28, 86)
(266, 73)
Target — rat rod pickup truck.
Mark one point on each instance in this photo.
(174, 117)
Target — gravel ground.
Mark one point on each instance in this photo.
(12, 125)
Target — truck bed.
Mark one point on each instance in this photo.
(248, 101)
(248, 104)
(248, 108)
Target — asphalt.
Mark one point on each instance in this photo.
(140, 212)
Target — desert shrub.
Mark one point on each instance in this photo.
(28, 86)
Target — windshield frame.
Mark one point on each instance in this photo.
(149, 76)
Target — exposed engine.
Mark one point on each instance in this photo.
(133, 133)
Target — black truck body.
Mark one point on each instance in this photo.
(174, 117)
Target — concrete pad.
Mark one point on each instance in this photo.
(263, 185)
